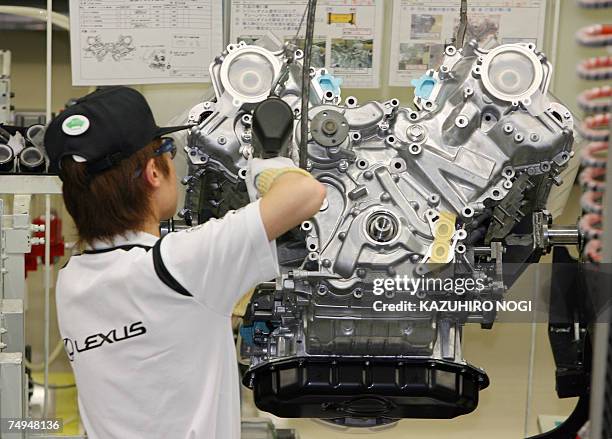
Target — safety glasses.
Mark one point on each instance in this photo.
(167, 145)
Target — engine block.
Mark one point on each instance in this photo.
(431, 191)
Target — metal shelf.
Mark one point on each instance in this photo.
(30, 184)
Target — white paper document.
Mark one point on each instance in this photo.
(347, 37)
(421, 28)
(144, 41)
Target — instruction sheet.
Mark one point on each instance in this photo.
(421, 28)
(144, 41)
(347, 37)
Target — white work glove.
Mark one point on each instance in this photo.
(257, 166)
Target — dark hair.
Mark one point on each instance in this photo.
(113, 202)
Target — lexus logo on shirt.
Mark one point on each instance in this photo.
(97, 340)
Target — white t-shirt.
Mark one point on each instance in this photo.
(150, 362)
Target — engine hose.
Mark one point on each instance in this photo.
(595, 128)
(595, 4)
(591, 226)
(595, 154)
(596, 100)
(598, 35)
(593, 179)
(310, 23)
(592, 202)
(598, 68)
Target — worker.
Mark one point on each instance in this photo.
(146, 322)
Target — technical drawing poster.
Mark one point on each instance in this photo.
(422, 27)
(144, 41)
(347, 37)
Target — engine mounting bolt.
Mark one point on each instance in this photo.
(368, 175)
(343, 165)
(193, 152)
(322, 290)
(508, 128)
(326, 263)
(357, 293)
(433, 200)
(534, 137)
(341, 236)
(222, 140)
(518, 138)
(416, 133)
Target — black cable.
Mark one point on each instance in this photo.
(299, 29)
(310, 24)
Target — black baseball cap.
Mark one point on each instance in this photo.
(103, 128)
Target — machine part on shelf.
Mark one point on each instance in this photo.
(446, 183)
(595, 4)
(596, 100)
(7, 158)
(593, 179)
(6, 108)
(597, 35)
(31, 159)
(595, 155)
(596, 128)
(36, 135)
(592, 202)
(590, 226)
(598, 68)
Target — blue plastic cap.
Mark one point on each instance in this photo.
(424, 86)
(330, 83)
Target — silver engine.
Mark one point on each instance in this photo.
(444, 190)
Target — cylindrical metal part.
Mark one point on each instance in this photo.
(32, 159)
(563, 235)
(7, 158)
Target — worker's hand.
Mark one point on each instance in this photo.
(257, 166)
